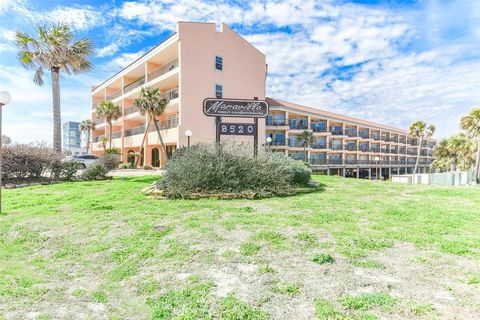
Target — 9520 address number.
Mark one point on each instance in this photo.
(237, 129)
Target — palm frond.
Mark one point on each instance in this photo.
(38, 77)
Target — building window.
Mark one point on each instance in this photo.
(218, 91)
(218, 63)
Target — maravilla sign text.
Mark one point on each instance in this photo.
(235, 108)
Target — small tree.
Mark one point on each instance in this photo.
(87, 126)
(455, 152)
(103, 142)
(419, 129)
(471, 123)
(110, 112)
(307, 139)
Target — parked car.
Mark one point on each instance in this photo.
(85, 159)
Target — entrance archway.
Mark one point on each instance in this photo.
(155, 157)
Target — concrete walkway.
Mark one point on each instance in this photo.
(134, 173)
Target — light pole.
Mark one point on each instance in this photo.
(188, 134)
(4, 100)
(377, 158)
(269, 141)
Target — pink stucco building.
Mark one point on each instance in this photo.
(202, 60)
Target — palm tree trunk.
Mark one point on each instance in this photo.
(143, 142)
(477, 163)
(88, 140)
(164, 150)
(110, 134)
(305, 152)
(57, 120)
(418, 155)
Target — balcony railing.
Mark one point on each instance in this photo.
(95, 105)
(172, 65)
(319, 145)
(334, 146)
(99, 121)
(114, 95)
(375, 137)
(351, 147)
(351, 133)
(295, 143)
(130, 110)
(376, 150)
(275, 142)
(318, 162)
(363, 148)
(297, 125)
(364, 135)
(98, 138)
(170, 95)
(337, 132)
(116, 135)
(275, 123)
(135, 131)
(318, 127)
(137, 83)
(167, 124)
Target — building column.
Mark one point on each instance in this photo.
(370, 173)
(358, 173)
(328, 171)
(343, 171)
(389, 172)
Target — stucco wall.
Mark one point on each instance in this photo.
(243, 76)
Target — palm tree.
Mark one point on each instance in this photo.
(103, 142)
(152, 103)
(307, 139)
(419, 129)
(455, 152)
(56, 50)
(109, 111)
(87, 126)
(471, 123)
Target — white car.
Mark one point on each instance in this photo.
(85, 160)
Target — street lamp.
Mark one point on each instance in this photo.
(188, 134)
(377, 158)
(4, 100)
(269, 141)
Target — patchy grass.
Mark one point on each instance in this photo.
(367, 301)
(68, 246)
(322, 258)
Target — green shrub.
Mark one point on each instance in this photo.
(115, 151)
(94, 171)
(109, 162)
(66, 170)
(207, 168)
(125, 166)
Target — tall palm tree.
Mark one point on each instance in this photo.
(471, 123)
(152, 103)
(56, 50)
(111, 112)
(87, 126)
(419, 129)
(307, 139)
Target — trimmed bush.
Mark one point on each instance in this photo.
(94, 171)
(22, 161)
(109, 162)
(116, 151)
(125, 166)
(211, 169)
(66, 170)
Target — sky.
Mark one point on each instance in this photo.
(392, 62)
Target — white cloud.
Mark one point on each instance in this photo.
(80, 17)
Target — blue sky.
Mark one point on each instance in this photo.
(387, 61)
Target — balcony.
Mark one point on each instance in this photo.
(375, 137)
(335, 161)
(412, 152)
(98, 138)
(335, 146)
(278, 143)
(363, 148)
(337, 132)
(351, 133)
(272, 122)
(167, 124)
(351, 147)
(135, 131)
(116, 135)
(376, 150)
(95, 105)
(318, 162)
(137, 83)
(130, 110)
(114, 95)
(364, 135)
(295, 144)
(351, 161)
(170, 95)
(298, 125)
(319, 145)
(172, 65)
(318, 126)
(99, 121)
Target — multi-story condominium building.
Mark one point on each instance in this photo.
(72, 138)
(201, 61)
(198, 61)
(344, 145)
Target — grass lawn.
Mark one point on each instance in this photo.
(356, 249)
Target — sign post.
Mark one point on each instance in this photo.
(238, 108)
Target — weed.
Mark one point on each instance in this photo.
(370, 264)
(99, 296)
(249, 249)
(232, 308)
(290, 289)
(322, 258)
(367, 301)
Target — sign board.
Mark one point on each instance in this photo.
(237, 129)
(240, 108)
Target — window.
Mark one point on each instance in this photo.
(218, 63)
(218, 91)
